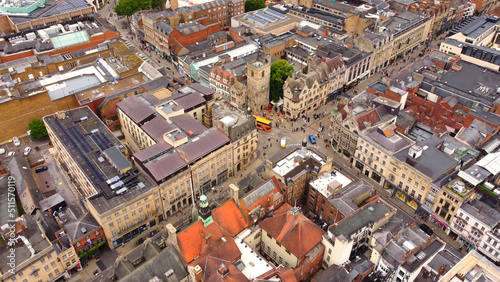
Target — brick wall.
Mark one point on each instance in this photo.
(17, 114)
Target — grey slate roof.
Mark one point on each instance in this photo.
(344, 203)
(116, 158)
(428, 251)
(25, 182)
(489, 216)
(433, 163)
(258, 193)
(157, 266)
(369, 214)
(74, 229)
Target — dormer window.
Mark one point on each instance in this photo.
(212, 75)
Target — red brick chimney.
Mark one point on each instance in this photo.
(480, 209)
(440, 272)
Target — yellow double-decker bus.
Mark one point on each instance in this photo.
(262, 123)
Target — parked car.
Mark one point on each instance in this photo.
(312, 139)
(16, 141)
(27, 150)
(41, 168)
(10, 154)
(426, 229)
(2, 151)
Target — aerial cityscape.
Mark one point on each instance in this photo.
(257, 140)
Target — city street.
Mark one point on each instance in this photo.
(108, 13)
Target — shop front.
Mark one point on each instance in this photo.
(424, 212)
(439, 223)
(407, 199)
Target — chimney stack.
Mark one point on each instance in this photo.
(172, 235)
(198, 274)
(235, 192)
(440, 272)
(480, 209)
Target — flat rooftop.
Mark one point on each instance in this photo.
(326, 183)
(87, 138)
(265, 21)
(129, 82)
(254, 264)
(289, 162)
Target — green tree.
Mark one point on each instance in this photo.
(252, 5)
(280, 71)
(38, 129)
(130, 7)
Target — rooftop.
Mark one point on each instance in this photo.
(478, 26)
(368, 214)
(481, 211)
(197, 241)
(432, 162)
(404, 21)
(469, 87)
(424, 255)
(296, 233)
(289, 162)
(388, 138)
(37, 243)
(254, 265)
(265, 21)
(331, 182)
(345, 202)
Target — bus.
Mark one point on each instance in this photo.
(262, 123)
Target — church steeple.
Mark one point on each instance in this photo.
(204, 212)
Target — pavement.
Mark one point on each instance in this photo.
(108, 13)
(386, 195)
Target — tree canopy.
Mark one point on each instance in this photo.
(280, 71)
(38, 129)
(252, 5)
(130, 7)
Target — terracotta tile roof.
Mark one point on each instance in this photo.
(135, 108)
(287, 275)
(210, 273)
(198, 241)
(297, 234)
(370, 117)
(230, 218)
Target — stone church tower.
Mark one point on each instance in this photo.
(258, 79)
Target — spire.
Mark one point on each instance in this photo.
(295, 210)
(204, 212)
